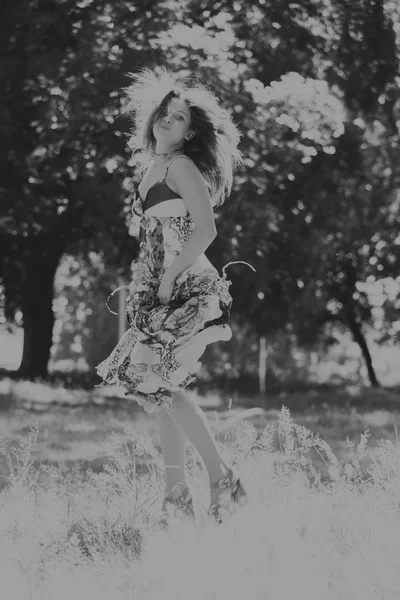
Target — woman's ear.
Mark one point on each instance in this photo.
(189, 135)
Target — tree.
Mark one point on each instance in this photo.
(319, 125)
(316, 199)
(62, 161)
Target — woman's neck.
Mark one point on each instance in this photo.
(163, 153)
(165, 149)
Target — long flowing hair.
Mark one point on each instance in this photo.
(213, 148)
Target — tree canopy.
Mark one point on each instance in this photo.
(314, 88)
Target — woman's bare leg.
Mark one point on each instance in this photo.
(173, 444)
(192, 421)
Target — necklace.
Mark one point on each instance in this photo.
(170, 153)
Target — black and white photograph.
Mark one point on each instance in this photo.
(200, 299)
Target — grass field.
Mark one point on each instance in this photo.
(81, 493)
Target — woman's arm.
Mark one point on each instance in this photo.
(192, 187)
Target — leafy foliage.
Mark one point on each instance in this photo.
(315, 206)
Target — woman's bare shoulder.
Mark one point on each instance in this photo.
(183, 165)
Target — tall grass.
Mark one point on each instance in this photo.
(85, 535)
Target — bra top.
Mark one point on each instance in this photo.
(159, 192)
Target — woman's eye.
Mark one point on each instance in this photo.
(175, 116)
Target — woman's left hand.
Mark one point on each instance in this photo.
(166, 288)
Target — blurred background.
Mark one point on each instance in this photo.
(314, 87)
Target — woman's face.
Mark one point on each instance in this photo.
(173, 127)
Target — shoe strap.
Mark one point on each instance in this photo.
(185, 497)
(224, 482)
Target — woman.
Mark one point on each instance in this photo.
(177, 302)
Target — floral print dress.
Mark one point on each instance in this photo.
(160, 351)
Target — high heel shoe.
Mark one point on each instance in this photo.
(182, 503)
(237, 494)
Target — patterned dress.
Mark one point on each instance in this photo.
(160, 351)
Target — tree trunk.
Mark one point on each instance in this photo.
(262, 364)
(355, 329)
(43, 258)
